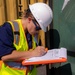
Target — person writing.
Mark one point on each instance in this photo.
(18, 42)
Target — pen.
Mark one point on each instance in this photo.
(46, 49)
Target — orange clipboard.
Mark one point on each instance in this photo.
(44, 61)
(52, 56)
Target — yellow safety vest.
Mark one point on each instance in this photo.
(21, 45)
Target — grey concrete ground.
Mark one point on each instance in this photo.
(41, 70)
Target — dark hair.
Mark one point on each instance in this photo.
(27, 13)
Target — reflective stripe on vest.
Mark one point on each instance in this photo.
(16, 32)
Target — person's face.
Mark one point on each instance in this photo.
(33, 27)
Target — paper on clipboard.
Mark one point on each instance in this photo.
(54, 54)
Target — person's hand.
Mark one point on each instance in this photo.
(39, 51)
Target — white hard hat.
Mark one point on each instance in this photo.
(42, 13)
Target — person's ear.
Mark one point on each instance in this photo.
(29, 19)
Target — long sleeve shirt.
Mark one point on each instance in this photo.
(7, 39)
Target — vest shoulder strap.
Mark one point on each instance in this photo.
(15, 26)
